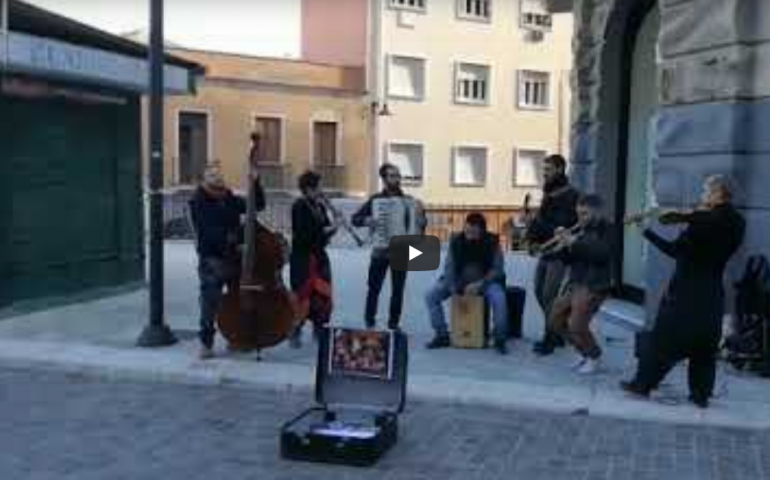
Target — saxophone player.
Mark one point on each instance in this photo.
(587, 253)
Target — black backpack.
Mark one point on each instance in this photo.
(749, 344)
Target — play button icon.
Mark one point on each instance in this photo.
(414, 253)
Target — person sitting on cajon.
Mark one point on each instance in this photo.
(474, 266)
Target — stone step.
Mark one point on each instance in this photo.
(623, 314)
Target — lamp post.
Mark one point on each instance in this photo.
(156, 333)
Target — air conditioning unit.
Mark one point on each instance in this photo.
(535, 35)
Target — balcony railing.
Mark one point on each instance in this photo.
(276, 176)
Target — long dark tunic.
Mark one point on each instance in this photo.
(308, 239)
(689, 320)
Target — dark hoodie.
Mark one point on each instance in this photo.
(558, 209)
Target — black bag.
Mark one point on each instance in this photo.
(356, 419)
(516, 298)
(749, 344)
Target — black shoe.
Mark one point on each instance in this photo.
(439, 341)
(543, 348)
(370, 323)
(699, 402)
(558, 341)
(501, 347)
(634, 389)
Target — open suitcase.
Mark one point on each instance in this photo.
(360, 390)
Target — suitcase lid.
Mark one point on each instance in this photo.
(362, 368)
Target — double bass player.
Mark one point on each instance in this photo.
(216, 217)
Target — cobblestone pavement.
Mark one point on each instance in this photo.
(58, 426)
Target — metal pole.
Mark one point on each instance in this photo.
(156, 333)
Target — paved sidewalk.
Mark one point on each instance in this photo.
(99, 337)
(75, 427)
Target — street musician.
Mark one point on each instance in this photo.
(689, 321)
(587, 252)
(557, 210)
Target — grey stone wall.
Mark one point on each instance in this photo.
(714, 102)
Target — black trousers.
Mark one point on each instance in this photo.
(549, 275)
(701, 370)
(378, 269)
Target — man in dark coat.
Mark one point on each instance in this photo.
(216, 216)
(474, 266)
(311, 274)
(557, 210)
(588, 255)
(689, 321)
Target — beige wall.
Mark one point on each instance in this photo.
(440, 124)
(233, 103)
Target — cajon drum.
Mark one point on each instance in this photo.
(468, 328)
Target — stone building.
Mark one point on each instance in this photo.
(665, 93)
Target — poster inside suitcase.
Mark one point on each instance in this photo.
(360, 390)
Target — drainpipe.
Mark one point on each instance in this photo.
(375, 95)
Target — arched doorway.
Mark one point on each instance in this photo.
(638, 149)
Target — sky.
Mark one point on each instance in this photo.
(257, 27)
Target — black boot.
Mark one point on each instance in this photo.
(501, 347)
(543, 348)
(439, 341)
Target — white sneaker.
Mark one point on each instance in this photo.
(590, 366)
(577, 363)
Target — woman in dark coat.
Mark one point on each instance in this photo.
(311, 276)
(689, 321)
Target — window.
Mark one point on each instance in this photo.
(469, 167)
(325, 144)
(193, 146)
(270, 130)
(409, 158)
(472, 83)
(406, 78)
(528, 168)
(534, 89)
(418, 5)
(534, 15)
(474, 9)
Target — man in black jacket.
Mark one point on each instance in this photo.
(587, 255)
(216, 216)
(378, 268)
(689, 321)
(557, 210)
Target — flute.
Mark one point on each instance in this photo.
(342, 219)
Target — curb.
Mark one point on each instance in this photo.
(179, 367)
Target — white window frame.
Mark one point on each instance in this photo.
(425, 83)
(470, 101)
(532, 26)
(463, 14)
(521, 101)
(455, 153)
(397, 5)
(517, 154)
(209, 137)
(339, 161)
(405, 182)
(282, 119)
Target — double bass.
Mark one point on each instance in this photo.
(258, 311)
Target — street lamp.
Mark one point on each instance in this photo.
(156, 333)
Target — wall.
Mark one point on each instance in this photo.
(237, 89)
(714, 62)
(334, 31)
(74, 221)
(443, 39)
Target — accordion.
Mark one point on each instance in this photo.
(395, 216)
